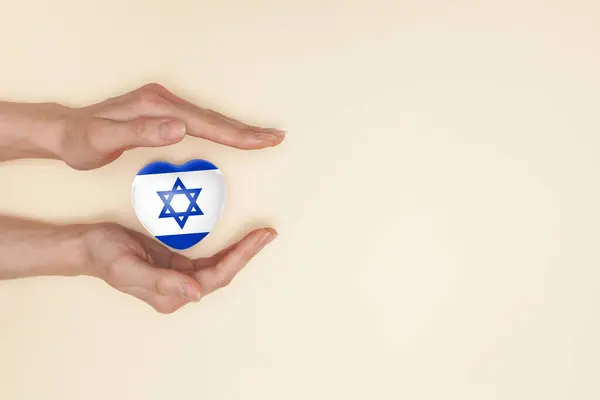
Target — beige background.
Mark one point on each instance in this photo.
(437, 198)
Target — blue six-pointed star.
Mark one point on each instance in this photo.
(181, 217)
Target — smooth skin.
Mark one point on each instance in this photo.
(90, 137)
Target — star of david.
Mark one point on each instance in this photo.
(180, 217)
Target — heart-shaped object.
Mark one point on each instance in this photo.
(179, 204)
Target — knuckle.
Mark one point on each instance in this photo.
(149, 98)
(153, 86)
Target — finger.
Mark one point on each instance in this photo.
(108, 136)
(167, 94)
(166, 282)
(207, 125)
(149, 101)
(234, 261)
(207, 262)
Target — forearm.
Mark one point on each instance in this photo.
(31, 130)
(29, 248)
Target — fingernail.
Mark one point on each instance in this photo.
(189, 292)
(269, 134)
(265, 136)
(172, 130)
(276, 132)
(270, 238)
(266, 238)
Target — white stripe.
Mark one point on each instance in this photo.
(148, 204)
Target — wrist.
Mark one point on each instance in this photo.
(32, 248)
(32, 130)
(70, 251)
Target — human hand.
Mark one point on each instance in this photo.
(92, 136)
(148, 117)
(137, 265)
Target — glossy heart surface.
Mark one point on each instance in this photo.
(179, 204)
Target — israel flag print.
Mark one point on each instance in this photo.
(179, 204)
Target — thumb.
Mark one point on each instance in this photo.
(141, 132)
(164, 282)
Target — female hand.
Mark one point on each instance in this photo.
(92, 136)
(147, 117)
(140, 266)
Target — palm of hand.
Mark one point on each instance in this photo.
(127, 260)
(140, 266)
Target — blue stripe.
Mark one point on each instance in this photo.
(182, 242)
(162, 167)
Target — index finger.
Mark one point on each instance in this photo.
(221, 274)
(156, 101)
